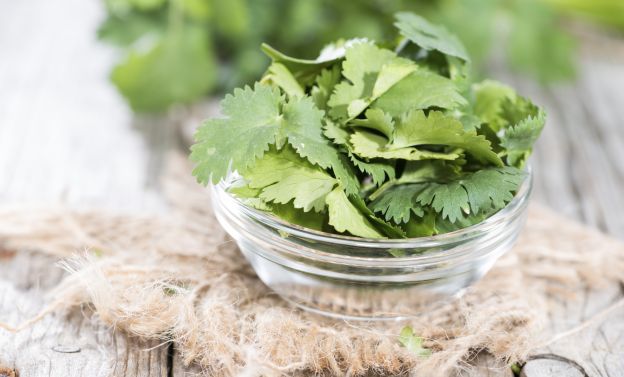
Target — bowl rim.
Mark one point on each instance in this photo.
(511, 209)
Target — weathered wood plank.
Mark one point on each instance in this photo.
(65, 132)
(597, 349)
(582, 179)
(578, 168)
(70, 344)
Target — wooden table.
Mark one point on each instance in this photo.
(66, 136)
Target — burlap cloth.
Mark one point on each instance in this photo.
(180, 278)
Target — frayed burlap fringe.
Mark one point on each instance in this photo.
(180, 278)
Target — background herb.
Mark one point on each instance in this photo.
(176, 51)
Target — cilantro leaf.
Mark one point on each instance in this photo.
(324, 86)
(252, 121)
(516, 108)
(284, 176)
(377, 120)
(393, 84)
(398, 203)
(516, 120)
(445, 226)
(361, 67)
(424, 226)
(438, 129)
(413, 343)
(345, 217)
(336, 133)
(518, 140)
(256, 118)
(304, 130)
(416, 129)
(379, 171)
(304, 70)
(279, 75)
(386, 228)
(249, 196)
(489, 97)
(369, 145)
(471, 192)
(312, 220)
(420, 90)
(429, 36)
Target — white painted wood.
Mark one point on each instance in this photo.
(65, 133)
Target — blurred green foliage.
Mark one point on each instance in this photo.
(176, 51)
(604, 12)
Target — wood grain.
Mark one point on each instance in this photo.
(65, 134)
(578, 169)
(69, 344)
(580, 174)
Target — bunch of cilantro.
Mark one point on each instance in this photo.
(373, 140)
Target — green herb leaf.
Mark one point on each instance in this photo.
(518, 140)
(303, 70)
(376, 120)
(177, 68)
(438, 129)
(399, 202)
(429, 36)
(324, 86)
(370, 145)
(252, 122)
(311, 220)
(279, 75)
(489, 98)
(471, 192)
(412, 342)
(420, 90)
(284, 176)
(362, 68)
(416, 129)
(345, 217)
(255, 119)
(386, 228)
(379, 171)
(304, 130)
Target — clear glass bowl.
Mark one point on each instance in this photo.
(356, 278)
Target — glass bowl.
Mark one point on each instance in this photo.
(357, 278)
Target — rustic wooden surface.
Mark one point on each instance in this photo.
(66, 136)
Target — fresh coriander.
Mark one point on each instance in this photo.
(412, 342)
(373, 140)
